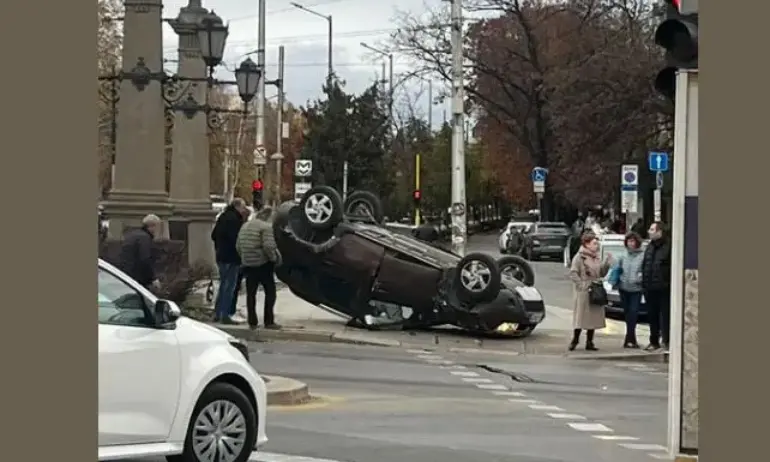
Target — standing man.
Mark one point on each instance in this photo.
(136, 256)
(224, 235)
(656, 283)
(234, 306)
(259, 255)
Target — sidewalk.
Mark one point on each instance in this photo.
(302, 321)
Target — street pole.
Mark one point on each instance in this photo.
(656, 197)
(417, 165)
(390, 86)
(459, 217)
(430, 105)
(384, 76)
(261, 41)
(344, 181)
(331, 50)
(278, 156)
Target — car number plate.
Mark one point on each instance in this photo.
(529, 294)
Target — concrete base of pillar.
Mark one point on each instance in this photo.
(125, 209)
(197, 217)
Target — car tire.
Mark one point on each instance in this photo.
(230, 395)
(364, 200)
(321, 207)
(524, 271)
(477, 278)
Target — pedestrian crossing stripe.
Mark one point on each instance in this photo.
(261, 456)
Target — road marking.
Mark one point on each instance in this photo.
(508, 393)
(491, 386)
(465, 373)
(644, 447)
(567, 416)
(429, 356)
(453, 366)
(418, 352)
(524, 401)
(544, 407)
(590, 427)
(477, 380)
(655, 455)
(615, 438)
(259, 456)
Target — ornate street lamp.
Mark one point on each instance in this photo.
(212, 36)
(247, 77)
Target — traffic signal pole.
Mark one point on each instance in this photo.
(417, 188)
(458, 208)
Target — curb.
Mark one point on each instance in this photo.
(633, 357)
(264, 335)
(283, 391)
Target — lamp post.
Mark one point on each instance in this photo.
(390, 73)
(328, 18)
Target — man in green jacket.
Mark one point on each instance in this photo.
(259, 257)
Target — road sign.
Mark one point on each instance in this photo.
(659, 180)
(300, 188)
(658, 161)
(539, 187)
(629, 201)
(303, 167)
(260, 157)
(629, 185)
(539, 174)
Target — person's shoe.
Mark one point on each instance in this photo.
(572, 345)
(591, 347)
(228, 321)
(652, 347)
(238, 318)
(273, 326)
(252, 326)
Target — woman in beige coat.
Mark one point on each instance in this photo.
(585, 270)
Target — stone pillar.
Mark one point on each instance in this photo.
(189, 189)
(139, 185)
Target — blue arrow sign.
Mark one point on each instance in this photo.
(658, 161)
(539, 174)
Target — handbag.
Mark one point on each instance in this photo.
(613, 278)
(596, 294)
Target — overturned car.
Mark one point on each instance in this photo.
(337, 255)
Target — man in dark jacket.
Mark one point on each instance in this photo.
(656, 283)
(136, 258)
(224, 235)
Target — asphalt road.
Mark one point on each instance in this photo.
(392, 405)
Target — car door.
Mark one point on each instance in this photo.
(139, 367)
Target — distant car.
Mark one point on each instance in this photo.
(171, 386)
(338, 256)
(545, 239)
(502, 240)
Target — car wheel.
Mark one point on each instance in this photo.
(321, 207)
(364, 206)
(518, 268)
(478, 278)
(223, 427)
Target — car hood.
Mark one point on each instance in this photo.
(202, 331)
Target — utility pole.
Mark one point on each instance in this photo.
(430, 105)
(345, 180)
(261, 41)
(458, 209)
(329, 20)
(278, 156)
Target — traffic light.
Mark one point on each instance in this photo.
(678, 34)
(417, 195)
(256, 191)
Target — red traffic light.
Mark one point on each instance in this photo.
(257, 185)
(417, 194)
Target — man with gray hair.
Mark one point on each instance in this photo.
(259, 257)
(136, 257)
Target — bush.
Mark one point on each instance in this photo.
(177, 278)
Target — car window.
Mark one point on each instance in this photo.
(119, 303)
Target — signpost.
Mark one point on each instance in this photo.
(539, 175)
(629, 188)
(303, 168)
(657, 162)
(300, 188)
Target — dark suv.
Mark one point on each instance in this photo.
(545, 239)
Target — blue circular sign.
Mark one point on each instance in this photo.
(629, 177)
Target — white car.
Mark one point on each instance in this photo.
(171, 386)
(502, 240)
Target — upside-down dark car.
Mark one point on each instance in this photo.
(337, 256)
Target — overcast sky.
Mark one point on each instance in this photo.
(304, 36)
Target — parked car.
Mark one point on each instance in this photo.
(342, 259)
(171, 386)
(545, 239)
(505, 233)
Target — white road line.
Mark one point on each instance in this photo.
(491, 386)
(477, 380)
(418, 352)
(643, 369)
(590, 427)
(465, 373)
(429, 356)
(524, 401)
(615, 438)
(259, 456)
(544, 407)
(453, 366)
(644, 447)
(508, 393)
(659, 456)
(566, 416)
(437, 362)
